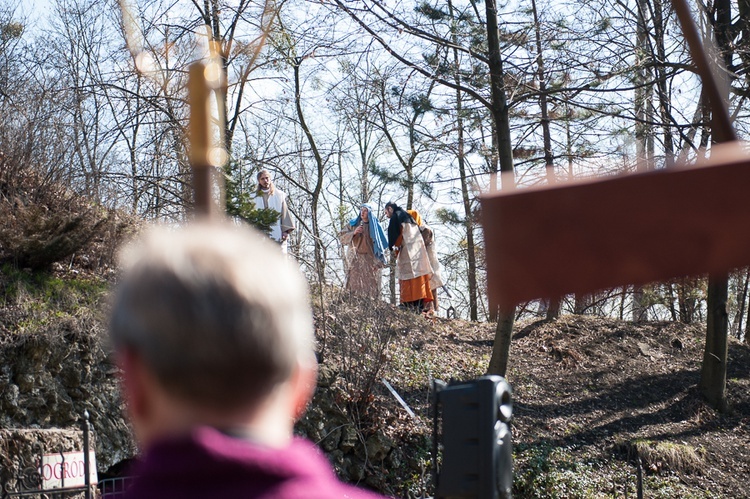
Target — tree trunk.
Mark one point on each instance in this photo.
(501, 347)
(320, 252)
(494, 186)
(582, 303)
(553, 309)
(686, 300)
(672, 309)
(640, 313)
(714, 370)
(468, 214)
(662, 88)
(644, 114)
(742, 301)
(500, 111)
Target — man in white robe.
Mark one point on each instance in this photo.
(268, 196)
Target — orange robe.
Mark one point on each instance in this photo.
(413, 265)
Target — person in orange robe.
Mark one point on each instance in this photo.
(412, 262)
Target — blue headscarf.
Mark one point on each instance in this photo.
(379, 241)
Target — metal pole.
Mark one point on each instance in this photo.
(86, 464)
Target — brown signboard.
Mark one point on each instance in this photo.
(586, 235)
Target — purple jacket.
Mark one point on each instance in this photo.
(208, 464)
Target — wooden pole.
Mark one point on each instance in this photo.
(199, 93)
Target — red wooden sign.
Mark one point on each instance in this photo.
(587, 235)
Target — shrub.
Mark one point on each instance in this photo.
(43, 222)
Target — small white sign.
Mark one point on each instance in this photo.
(67, 470)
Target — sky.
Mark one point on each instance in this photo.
(36, 10)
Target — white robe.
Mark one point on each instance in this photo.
(413, 260)
(276, 202)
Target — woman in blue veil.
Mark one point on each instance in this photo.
(366, 254)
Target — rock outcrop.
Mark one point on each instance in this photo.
(48, 380)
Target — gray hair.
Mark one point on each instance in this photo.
(215, 311)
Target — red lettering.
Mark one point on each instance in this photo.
(69, 471)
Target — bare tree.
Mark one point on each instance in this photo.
(714, 368)
(355, 99)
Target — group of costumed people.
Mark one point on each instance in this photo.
(410, 240)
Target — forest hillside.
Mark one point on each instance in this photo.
(592, 396)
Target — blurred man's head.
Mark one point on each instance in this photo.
(212, 326)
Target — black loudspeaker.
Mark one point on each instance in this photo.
(477, 459)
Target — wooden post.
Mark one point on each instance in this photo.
(199, 94)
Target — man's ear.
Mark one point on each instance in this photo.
(304, 382)
(132, 385)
